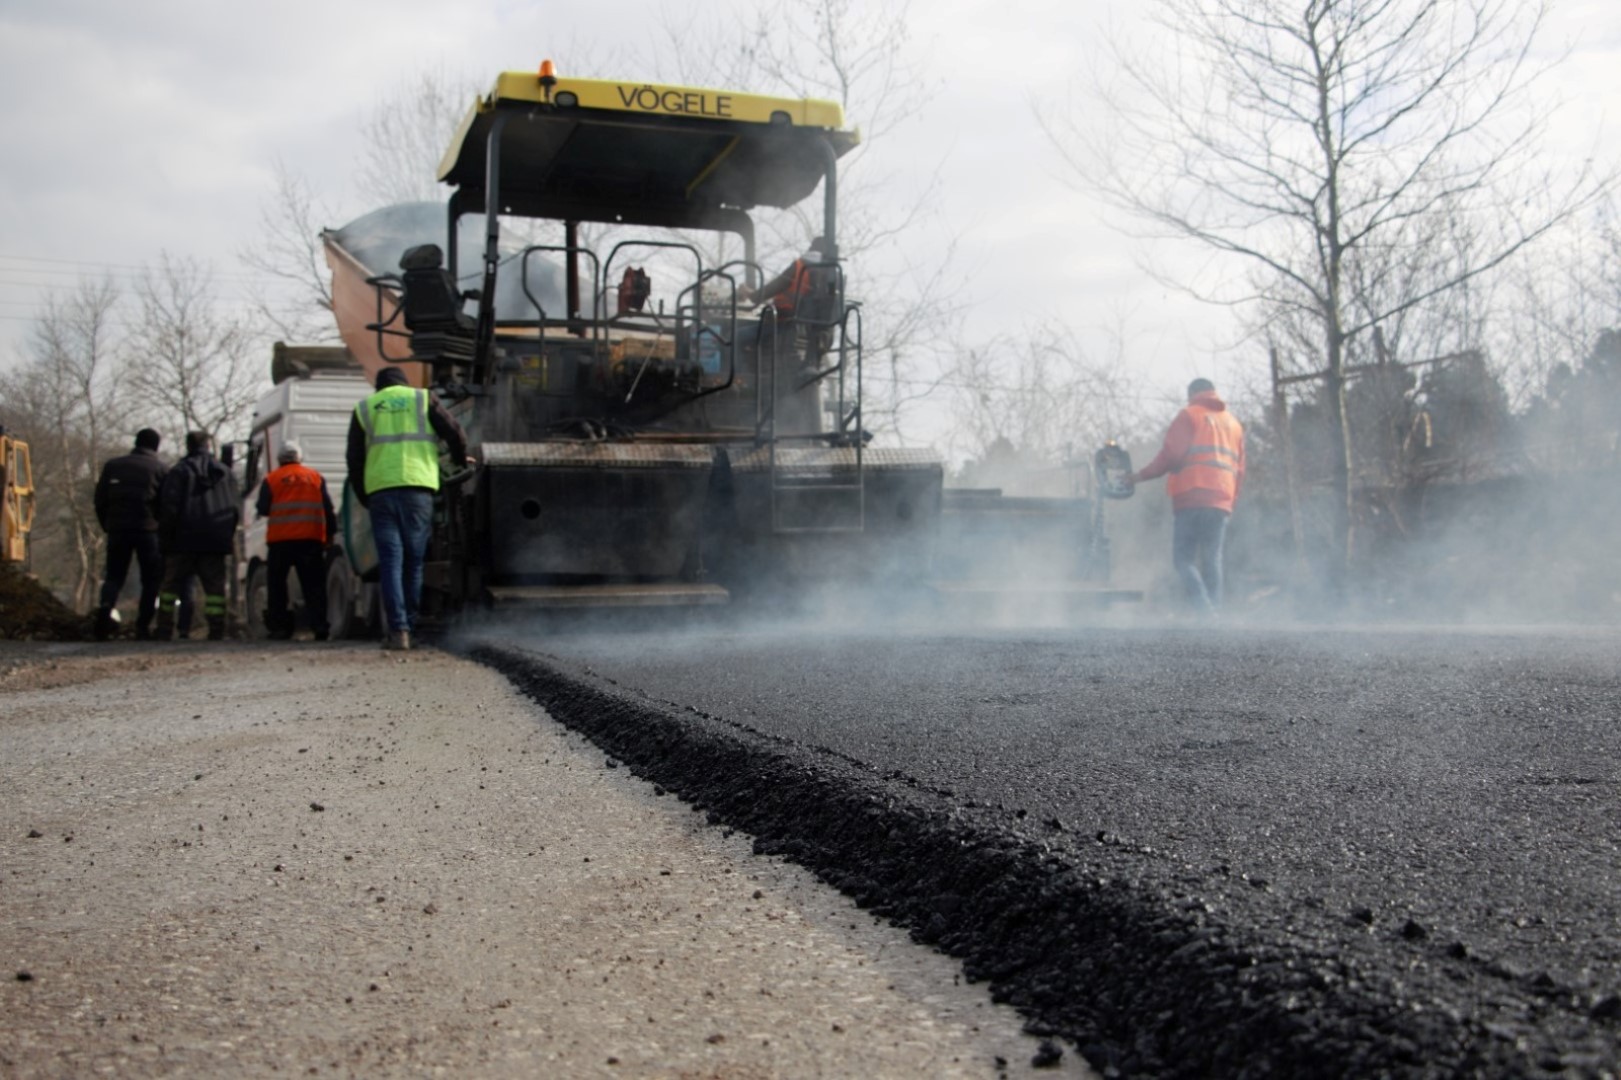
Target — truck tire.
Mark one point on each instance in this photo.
(343, 621)
(255, 599)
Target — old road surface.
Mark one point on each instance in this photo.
(1185, 852)
(235, 861)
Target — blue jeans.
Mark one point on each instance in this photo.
(1197, 536)
(401, 519)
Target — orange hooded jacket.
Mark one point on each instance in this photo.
(1204, 455)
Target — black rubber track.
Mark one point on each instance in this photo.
(1068, 932)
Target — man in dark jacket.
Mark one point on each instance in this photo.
(127, 508)
(393, 459)
(198, 513)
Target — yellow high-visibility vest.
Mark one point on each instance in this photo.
(401, 448)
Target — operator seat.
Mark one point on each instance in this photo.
(431, 299)
(441, 332)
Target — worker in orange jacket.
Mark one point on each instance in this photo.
(805, 293)
(295, 501)
(791, 288)
(1204, 457)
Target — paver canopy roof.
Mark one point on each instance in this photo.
(595, 149)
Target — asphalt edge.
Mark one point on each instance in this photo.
(1083, 953)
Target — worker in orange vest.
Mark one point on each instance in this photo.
(295, 501)
(806, 292)
(1204, 455)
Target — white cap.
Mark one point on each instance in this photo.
(290, 451)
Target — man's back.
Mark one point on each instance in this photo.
(127, 492)
(199, 506)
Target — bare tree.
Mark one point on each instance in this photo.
(399, 147)
(1388, 370)
(1567, 336)
(193, 367)
(404, 137)
(1308, 137)
(1560, 303)
(66, 400)
(862, 56)
(1040, 401)
(287, 249)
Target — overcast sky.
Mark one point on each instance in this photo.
(131, 128)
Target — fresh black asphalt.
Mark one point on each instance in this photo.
(1187, 852)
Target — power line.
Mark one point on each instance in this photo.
(119, 270)
(123, 321)
(69, 262)
(39, 305)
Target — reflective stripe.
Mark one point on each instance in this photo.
(1212, 465)
(296, 509)
(384, 439)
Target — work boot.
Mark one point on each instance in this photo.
(216, 628)
(104, 623)
(397, 640)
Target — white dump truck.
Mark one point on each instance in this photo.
(316, 390)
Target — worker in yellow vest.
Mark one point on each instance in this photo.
(1204, 455)
(393, 458)
(301, 522)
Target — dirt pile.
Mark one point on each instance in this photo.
(28, 611)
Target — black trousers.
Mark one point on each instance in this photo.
(209, 568)
(308, 559)
(142, 546)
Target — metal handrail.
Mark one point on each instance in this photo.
(848, 350)
(569, 319)
(381, 325)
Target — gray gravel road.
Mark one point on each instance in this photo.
(223, 861)
(1363, 852)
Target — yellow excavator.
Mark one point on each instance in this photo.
(17, 487)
